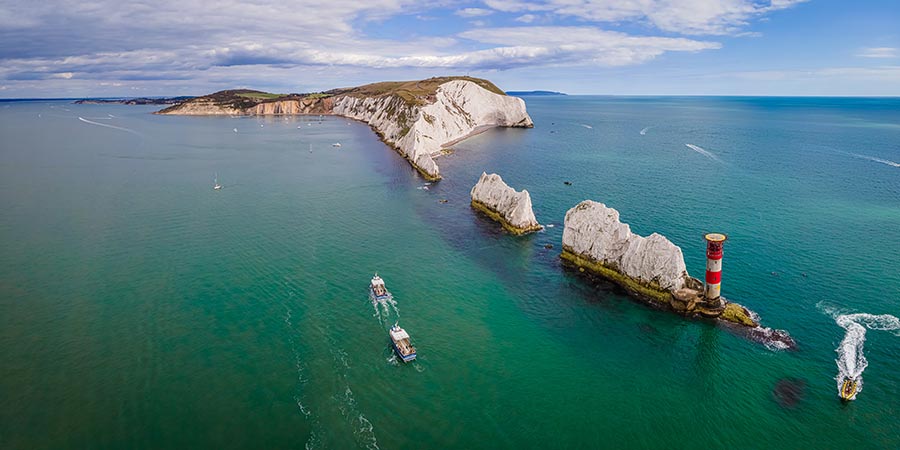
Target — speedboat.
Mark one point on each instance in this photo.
(378, 290)
(400, 342)
(336, 144)
(848, 389)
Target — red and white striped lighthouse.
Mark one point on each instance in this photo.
(714, 243)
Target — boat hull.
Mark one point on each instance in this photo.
(848, 390)
(404, 358)
(379, 298)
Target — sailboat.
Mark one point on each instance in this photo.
(216, 185)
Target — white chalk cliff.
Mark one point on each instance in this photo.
(511, 206)
(420, 132)
(593, 230)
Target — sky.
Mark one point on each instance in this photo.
(109, 48)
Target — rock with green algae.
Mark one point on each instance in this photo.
(504, 204)
(738, 314)
(650, 268)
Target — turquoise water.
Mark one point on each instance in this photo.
(140, 308)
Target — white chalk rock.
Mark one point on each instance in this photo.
(593, 230)
(420, 132)
(514, 207)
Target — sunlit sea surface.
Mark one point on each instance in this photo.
(139, 308)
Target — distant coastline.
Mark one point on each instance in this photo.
(134, 101)
(535, 93)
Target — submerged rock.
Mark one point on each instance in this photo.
(789, 391)
(504, 204)
(650, 268)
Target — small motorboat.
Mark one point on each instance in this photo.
(336, 144)
(378, 290)
(400, 342)
(848, 389)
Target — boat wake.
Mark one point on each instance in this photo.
(645, 130)
(127, 130)
(384, 309)
(878, 160)
(587, 126)
(363, 430)
(851, 361)
(703, 152)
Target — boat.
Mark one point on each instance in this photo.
(848, 389)
(378, 290)
(400, 342)
(336, 144)
(216, 185)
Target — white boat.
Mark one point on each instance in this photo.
(216, 185)
(336, 144)
(400, 342)
(378, 289)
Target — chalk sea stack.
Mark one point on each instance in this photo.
(650, 268)
(504, 204)
(417, 118)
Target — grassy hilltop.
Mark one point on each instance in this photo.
(419, 92)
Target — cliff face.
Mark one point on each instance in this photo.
(593, 230)
(417, 118)
(503, 204)
(418, 132)
(293, 107)
(202, 107)
(650, 268)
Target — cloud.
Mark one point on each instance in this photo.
(586, 45)
(186, 43)
(878, 52)
(696, 17)
(526, 18)
(473, 12)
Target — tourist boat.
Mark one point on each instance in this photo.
(378, 290)
(400, 342)
(216, 185)
(848, 389)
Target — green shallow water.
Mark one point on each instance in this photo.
(140, 308)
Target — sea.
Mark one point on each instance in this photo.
(140, 308)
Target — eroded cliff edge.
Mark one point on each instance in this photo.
(417, 118)
(504, 204)
(650, 268)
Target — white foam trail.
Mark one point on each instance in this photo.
(365, 431)
(127, 130)
(852, 362)
(702, 152)
(644, 131)
(587, 126)
(878, 160)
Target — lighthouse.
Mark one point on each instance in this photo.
(714, 243)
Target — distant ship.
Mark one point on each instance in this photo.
(848, 389)
(336, 144)
(216, 185)
(400, 342)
